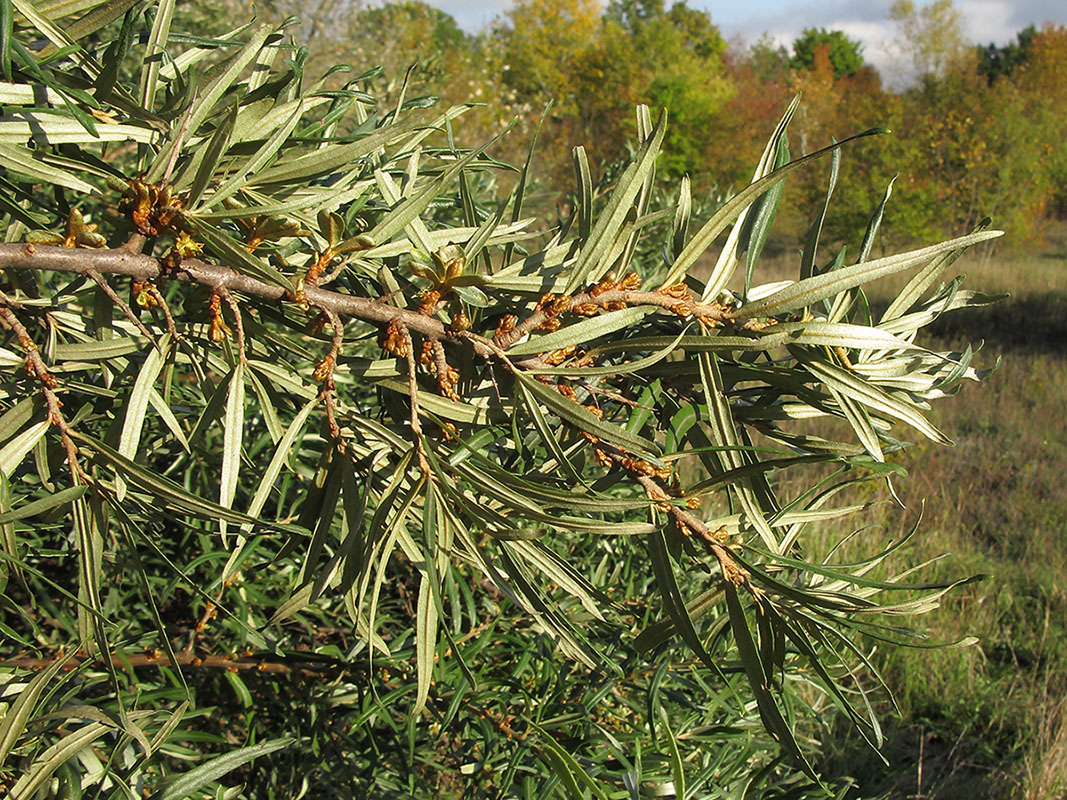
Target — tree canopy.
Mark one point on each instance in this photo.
(843, 52)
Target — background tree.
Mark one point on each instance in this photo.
(931, 36)
(312, 451)
(999, 61)
(844, 53)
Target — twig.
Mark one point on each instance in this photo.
(48, 383)
(98, 279)
(235, 309)
(413, 389)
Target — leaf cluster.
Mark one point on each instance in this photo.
(371, 464)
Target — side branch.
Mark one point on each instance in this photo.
(86, 261)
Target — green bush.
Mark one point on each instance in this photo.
(326, 472)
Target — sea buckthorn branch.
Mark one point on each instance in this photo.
(610, 295)
(36, 367)
(244, 661)
(324, 373)
(238, 323)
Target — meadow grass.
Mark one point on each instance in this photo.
(988, 721)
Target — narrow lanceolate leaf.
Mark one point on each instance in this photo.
(331, 157)
(46, 26)
(45, 504)
(54, 757)
(567, 768)
(259, 159)
(90, 538)
(592, 264)
(13, 723)
(157, 41)
(769, 711)
(925, 278)
(821, 287)
(207, 159)
(12, 453)
(22, 161)
(207, 100)
(169, 496)
(580, 418)
(8, 543)
(584, 180)
(582, 332)
(231, 443)
(204, 775)
(104, 14)
(17, 127)
(840, 334)
(137, 406)
(736, 205)
(855, 387)
(425, 643)
(672, 598)
(280, 458)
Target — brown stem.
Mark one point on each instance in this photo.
(185, 659)
(157, 295)
(413, 389)
(712, 540)
(621, 298)
(99, 280)
(235, 309)
(48, 383)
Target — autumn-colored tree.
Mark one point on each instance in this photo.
(594, 67)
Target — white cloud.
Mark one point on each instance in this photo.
(985, 21)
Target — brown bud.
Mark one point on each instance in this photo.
(454, 269)
(460, 322)
(606, 285)
(586, 309)
(324, 369)
(631, 282)
(426, 356)
(546, 299)
(679, 291)
(559, 305)
(395, 339)
(596, 412)
(603, 458)
(428, 302)
(567, 392)
(506, 325)
(557, 357)
(551, 324)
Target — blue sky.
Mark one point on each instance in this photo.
(865, 20)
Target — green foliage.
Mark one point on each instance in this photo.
(843, 52)
(376, 486)
(997, 62)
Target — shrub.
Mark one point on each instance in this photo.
(376, 481)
